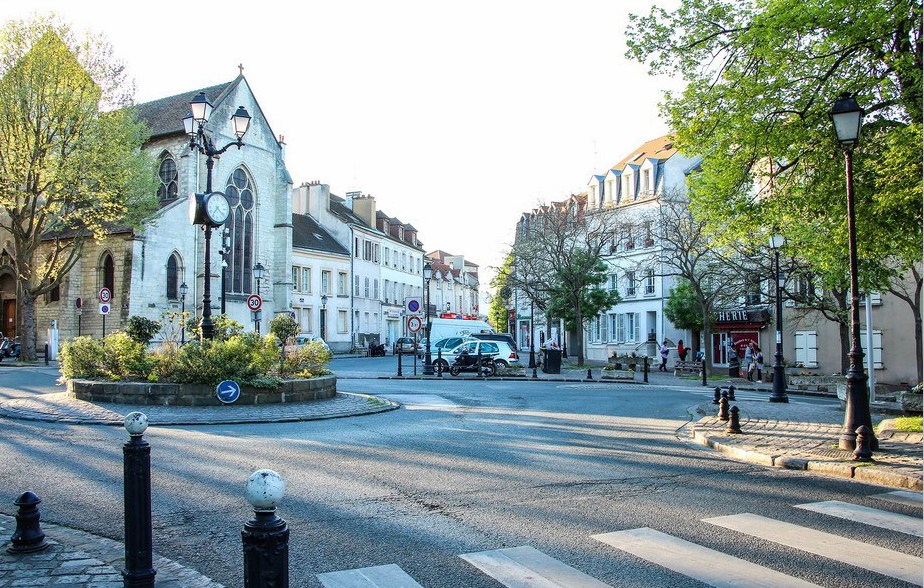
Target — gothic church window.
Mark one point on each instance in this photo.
(105, 273)
(173, 277)
(240, 193)
(167, 189)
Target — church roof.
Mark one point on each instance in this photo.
(164, 116)
(308, 234)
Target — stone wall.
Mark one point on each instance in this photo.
(145, 393)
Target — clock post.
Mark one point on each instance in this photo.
(202, 213)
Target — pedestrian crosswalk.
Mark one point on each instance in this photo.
(527, 567)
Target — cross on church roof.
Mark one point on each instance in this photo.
(240, 66)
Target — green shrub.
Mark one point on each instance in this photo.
(141, 329)
(284, 327)
(124, 357)
(246, 359)
(224, 327)
(308, 360)
(82, 358)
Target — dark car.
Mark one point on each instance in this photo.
(404, 345)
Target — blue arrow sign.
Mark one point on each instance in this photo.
(228, 391)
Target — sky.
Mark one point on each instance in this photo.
(456, 115)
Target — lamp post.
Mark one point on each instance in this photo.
(428, 358)
(183, 290)
(778, 394)
(194, 123)
(847, 118)
(532, 331)
(324, 317)
(258, 272)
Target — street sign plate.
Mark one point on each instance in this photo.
(254, 302)
(104, 308)
(228, 391)
(105, 295)
(414, 323)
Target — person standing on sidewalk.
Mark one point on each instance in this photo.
(665, 351)
(759, 360)
(748, 361)
(681, 350)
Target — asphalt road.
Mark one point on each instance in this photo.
(463, 467)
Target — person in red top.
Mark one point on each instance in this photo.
(681, 350)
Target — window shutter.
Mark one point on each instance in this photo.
(620, 328)
(603, 327)
(811, 349)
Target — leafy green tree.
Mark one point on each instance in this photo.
(760, 78)
(497, 311)
(685, 310)
(70, 163)
(284, 327)
(586, 302)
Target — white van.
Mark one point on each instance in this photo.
(441, 328)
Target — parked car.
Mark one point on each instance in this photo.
(505, 337)
(404, 345)
(305, 339)
(445, 345)
(504, 355)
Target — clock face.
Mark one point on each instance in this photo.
(217, 208)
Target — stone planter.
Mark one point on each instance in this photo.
(617, 375)
(148, 394)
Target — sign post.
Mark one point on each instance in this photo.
(255, 303)
(105, 296)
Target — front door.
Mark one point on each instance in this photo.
(9, 317)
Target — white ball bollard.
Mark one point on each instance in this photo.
(266, 536)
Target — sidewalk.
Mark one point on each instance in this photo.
(795, 435)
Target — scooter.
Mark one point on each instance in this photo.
(10, 348)
(377, 350)
(483, 365)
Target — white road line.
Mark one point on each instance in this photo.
(902, 497)
(869, 557)
(695, 561)
(387, 576)
(527, 567)
(867, 516)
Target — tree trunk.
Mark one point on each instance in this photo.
(27, 325)
(579, 328)
(707, 346)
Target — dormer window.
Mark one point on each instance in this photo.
(627, 185)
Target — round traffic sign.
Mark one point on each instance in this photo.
(414, 324)
(254, 302)
(105, 295)
(228, 391)
(413, 305)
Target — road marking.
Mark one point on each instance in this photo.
(849, 551)
(387, 576)
(867, 516)
(415, 400)
(527, 567)
(695, 561)
(902, 497)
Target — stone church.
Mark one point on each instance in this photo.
(146, 270)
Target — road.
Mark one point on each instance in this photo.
(463, 468)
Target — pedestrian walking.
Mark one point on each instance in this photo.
(759, 360)
(681, 350)
(749, 363)
(665, 351)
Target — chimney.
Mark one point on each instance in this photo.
(318, 199)
(363, 207)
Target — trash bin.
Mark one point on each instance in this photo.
(551, 362)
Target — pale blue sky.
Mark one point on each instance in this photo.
(456, 115)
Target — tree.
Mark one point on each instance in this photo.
(497, 311)
(557, 255)
(761, 77)
(70, 163)
(685, 310)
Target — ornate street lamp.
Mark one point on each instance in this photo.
(778, 394)
(258, 272)
(184, 289)
(847, 118)
(211, 209)
(324, 317)
(428, 358)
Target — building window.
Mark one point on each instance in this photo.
(614, 327)
(806, 349)
(167, 189)
(627, 183)
(53, 295)
(306, 280)
(375, 288)
(877, 348)
(240, 193)
(105, 277)
(646, 181)
(341, 321)
(295, 278)
(649, 283)
(356, 248)
(356, 286)
(648, 233)
(325, 282)
(752, 294)
(366, 291)
(614, 282)
(173, 277)
(630, 283)
(342, 284)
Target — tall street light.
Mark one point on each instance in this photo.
(324, 317)
(428, 359)
(184, 289)
(258, 272)
(847, 118)
(778, 394)
(210, 209)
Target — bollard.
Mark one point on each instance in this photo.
(534, 373)
(731, 393)
(139, 571)
(734, 424)
(716, 394)
(723, 408)
(439, 363)
(28, 537)
(589, 375)
(46, 353)
(399, 363)
(863, 451)
(703, 371)
(645, 369)
(266, 536)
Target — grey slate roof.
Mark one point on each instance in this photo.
(308, 234)
(165, 116)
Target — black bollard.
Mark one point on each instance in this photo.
(28, 537)
(723, 408)
(589, 375)
(863, 451)
(534, 373)
(46, 353)
(139, 570)
(731, 393)
(703, 371)
(717, 393)
(399, 363)
(266, 536)
(645, 368)
(734, 424)
(439, 363)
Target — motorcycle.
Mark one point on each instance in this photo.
(10, 348)
(377, 350)
(483, 365)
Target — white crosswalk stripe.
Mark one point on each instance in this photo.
(902, 497)
(695, 561)
(527, 567)
(388, 576)
(867, 516)
(850, 551)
